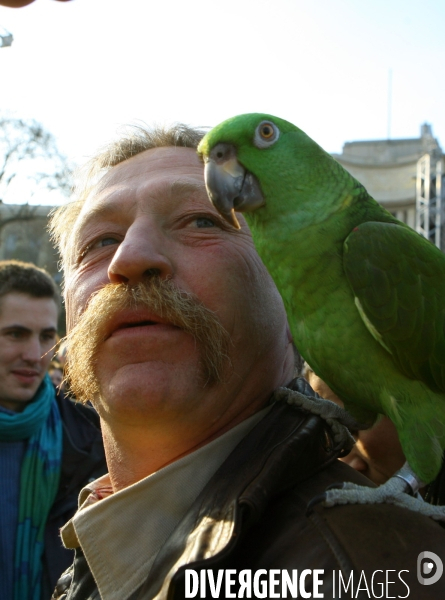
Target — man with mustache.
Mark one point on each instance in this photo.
(49, 448)
(179, 338)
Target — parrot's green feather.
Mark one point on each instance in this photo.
(388, 268)
(364, 294)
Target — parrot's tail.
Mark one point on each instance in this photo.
(421, 430)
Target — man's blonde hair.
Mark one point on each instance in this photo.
(136, 139)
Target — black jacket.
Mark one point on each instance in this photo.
(257, 512)
(83, 460)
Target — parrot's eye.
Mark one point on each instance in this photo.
(266, 134)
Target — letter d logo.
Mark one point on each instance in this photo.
(429, 568)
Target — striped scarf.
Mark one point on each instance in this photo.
(41, 424)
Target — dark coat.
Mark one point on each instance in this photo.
(257, 512)
(83, 460)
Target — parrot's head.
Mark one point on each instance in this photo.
(249, 158)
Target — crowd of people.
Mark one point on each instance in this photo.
(183, 374)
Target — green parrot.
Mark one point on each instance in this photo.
(364, 293)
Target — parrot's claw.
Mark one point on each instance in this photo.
(338, 419)
(401, 490)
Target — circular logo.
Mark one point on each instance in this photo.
(429, 568)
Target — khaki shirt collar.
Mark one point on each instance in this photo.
(122, 533)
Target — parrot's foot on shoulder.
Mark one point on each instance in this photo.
(300, 394)
(401, 489)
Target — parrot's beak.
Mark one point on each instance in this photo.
(229, 186)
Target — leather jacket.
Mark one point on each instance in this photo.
(260, 510)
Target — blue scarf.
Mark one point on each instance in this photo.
(41, 425)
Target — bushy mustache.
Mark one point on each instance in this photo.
(163, 299)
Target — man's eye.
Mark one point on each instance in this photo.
(108, 241)
(204, 222)
(100, 243)
(16, 335)
(48, 337)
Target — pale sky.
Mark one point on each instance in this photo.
(85, 67)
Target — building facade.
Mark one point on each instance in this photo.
(392, 172)
(24, 236)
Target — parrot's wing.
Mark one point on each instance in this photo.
(398, 281)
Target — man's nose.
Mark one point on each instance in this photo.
(33, 351)
(141, 254)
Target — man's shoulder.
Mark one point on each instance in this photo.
(83, 450)
(296, 531)
(361, 547)
(75, 415)
(280, 523)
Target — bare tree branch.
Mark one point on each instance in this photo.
(29, 158)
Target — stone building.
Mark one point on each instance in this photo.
(24, 236)
(389, 170)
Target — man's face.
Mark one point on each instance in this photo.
(151, 215)
(28, 328)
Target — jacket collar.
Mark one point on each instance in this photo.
(285, 448)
